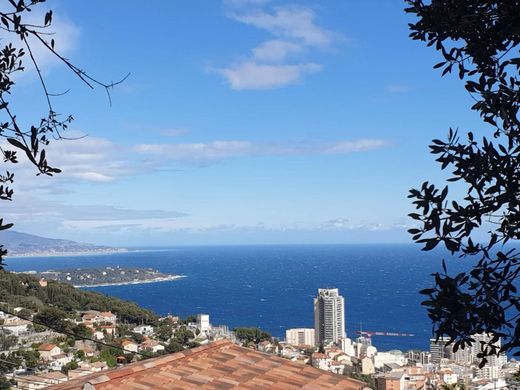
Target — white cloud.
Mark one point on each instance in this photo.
(269, 65)
(251, 75)
(89, 159)
(291, 22)
(361, 145)
(217, 150)
(220, 150)
(275, 50)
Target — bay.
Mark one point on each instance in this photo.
(272, 287)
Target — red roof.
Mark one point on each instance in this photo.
(46, 347)
(219, 365)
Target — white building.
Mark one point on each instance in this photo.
(438, 349)
(299, 336)
(348, 347)
(391, 357)
(48, 351)
(146, 330)
(203, 323)
(329, 316)
(494, 367)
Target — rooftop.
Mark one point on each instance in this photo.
(46, 347)
(219, 365)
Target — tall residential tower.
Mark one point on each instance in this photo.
(329, 316)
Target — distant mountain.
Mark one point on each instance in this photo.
(23, 244)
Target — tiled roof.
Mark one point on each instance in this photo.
(219, 365)
(46, 347)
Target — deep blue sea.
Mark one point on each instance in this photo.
(272, 287)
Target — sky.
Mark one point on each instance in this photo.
(241, 122)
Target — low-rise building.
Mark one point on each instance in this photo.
(130, 346)
(152, 345)
(48, 351)
(146, 330)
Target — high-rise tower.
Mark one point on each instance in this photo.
(329, 316)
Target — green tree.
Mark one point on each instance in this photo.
(251, 335)
(479, 41)
(164, 332)
(174, 346)
(183, 335)
(69, 366)
(20, 39)
(4, 383)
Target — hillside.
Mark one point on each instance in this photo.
(25, 291)
(23, 244)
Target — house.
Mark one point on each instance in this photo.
(15, 326)
(34, 382)
(130, 346)
(146, 330)
(108, 317)
(320, 360)
(218, 365)
(48, 351)
(91, 318)
(88, 348)
(152, 345)
(58, 361)
(93, 367)
(108, 329)
(98, 335)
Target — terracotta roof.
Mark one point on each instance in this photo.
(46, 347)
(219, 365)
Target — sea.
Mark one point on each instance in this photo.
(272, 287)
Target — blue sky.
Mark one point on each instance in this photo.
(242, 121)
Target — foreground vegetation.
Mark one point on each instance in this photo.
(58, 301)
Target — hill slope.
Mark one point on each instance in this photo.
(23, 244)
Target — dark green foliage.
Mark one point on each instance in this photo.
(7, 341)
(109, 355)
(183, 335)
(4, 383)
(58, 301)
(173, 347)
(164, 332)
(251, 335)
(69, 366)
(479, 41)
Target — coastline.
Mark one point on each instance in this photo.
(155, 280)
(65, 254)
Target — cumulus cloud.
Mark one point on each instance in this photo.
(251, 75)
(268, 66)
(289, 22)
(275, 50)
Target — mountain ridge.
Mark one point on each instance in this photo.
(25, 244)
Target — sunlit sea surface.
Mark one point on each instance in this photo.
(272, 287)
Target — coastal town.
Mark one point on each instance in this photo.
(35, 357)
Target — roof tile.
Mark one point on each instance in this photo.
(221, 365)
